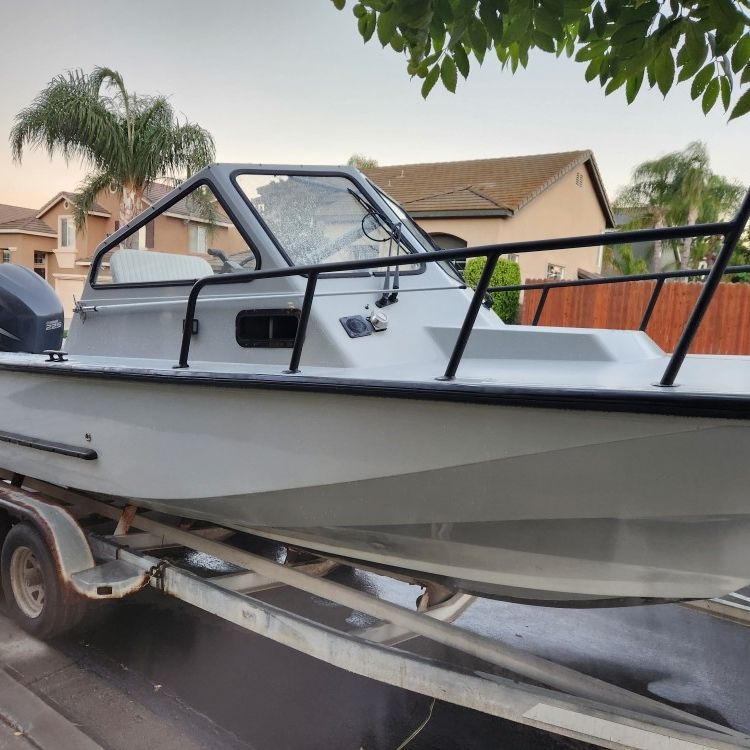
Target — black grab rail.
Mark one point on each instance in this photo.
(730, 230)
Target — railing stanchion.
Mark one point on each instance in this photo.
(540, 306)
(651, 304)
(711, 284)
(470, 319)
(187, 324)
(299, 339)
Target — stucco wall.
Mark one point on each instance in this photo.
(564, 209)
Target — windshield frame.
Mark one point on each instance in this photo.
(407, 241)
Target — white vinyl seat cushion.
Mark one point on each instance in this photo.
(131, 266)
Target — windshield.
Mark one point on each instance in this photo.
(320, 219)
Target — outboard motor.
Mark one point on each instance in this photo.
(31, 314)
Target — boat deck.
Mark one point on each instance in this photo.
(706, 375)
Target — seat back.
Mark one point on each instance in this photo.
(131, 266)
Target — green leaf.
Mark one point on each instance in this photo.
(387, 26)
(437, 33)
(745, 78)
(605, 70)
(741, 53)
(444, 9)
(369, 25)
(478, 36)
(543, 41)
(614, 9)
(461, 59)
(664, 70)
(492, 22)
(430, 80)
(339, 4)
(726, 92)
(725, 14)
(710, 95)
(702, 80)
(592, 71)
(614, 84)
(599, 18)
(548, 24)
(448, 74)
(629, 33)
(584, 28)
(633, 86)
(742, 107)
(691, 57)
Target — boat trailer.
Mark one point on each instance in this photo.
(41, 521)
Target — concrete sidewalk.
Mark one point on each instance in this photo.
(26, 721)
(13, 739)
(56, 697)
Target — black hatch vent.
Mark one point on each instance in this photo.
(273, 329)
(356, 326)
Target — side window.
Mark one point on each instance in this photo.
(190, 239)
(67, 235)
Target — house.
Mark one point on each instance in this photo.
(46, 239)
(508, 199)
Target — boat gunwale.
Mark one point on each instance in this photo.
(667, 402)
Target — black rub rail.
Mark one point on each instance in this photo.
(731, 231)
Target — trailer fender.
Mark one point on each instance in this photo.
(70, 548)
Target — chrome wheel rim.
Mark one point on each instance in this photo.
(27, 581)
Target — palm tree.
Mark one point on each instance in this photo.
(127, 140)
(679, 188)
(623, 261)
(649, 201)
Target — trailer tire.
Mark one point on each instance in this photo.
(35, 595)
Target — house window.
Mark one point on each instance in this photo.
(198, 239)
(138, 240)
(451, 242)
(5, 256)
(554, 272)
(579, 179)
(67, 232)
(513, 257)
(40, 263)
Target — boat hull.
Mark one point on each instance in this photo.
(546, 505)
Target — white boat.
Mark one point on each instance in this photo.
(315, 382)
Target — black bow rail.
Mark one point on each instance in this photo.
(731, 231)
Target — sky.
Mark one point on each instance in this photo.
(290, 81)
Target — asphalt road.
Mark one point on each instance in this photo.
(231, 688)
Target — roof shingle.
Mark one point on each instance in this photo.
(502, 185)
(23, 220)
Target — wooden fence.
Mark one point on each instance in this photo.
(725, 329)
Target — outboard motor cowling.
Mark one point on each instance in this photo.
(31, 314)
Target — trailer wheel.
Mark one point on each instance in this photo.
(35, 595)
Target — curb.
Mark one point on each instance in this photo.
(38, 721)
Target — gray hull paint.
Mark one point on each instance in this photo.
(507, 501)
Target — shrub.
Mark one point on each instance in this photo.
(506, 273)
